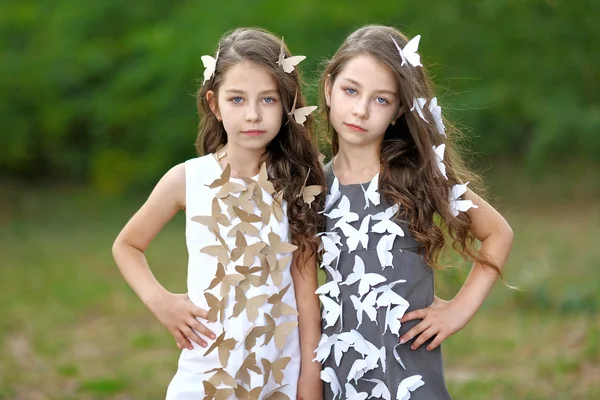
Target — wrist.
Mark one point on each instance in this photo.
(153, 296)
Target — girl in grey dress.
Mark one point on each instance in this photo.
(395, 197)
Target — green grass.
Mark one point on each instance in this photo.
(70, 328)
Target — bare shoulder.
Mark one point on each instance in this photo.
(171, 187)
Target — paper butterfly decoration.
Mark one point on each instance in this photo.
(332, 311)
(366, 280)
(352, 394)
(409, 52)
(334, 194)
(418, 104)
(436, 113)
(355, 236)
(328, 375)
(288, 63)
(213, 393)
(309, 193)
(326, 343)
(210, 64)
(371, 194)
(408, 385)
(457, 205)
(332, 287)
(380, 391)
(300, 114)
(221, 376)
(343, 212)
(439, 158)
(367, 305)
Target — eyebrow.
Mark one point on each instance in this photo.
(237, 91)
(352, 81)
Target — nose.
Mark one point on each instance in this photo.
(360, 109)
(253, 113)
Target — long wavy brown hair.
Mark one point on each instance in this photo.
(409, 173)
(292, 154)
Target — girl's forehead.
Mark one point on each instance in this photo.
(250, 76)
(369, 72)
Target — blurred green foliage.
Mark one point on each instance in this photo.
(102, 92)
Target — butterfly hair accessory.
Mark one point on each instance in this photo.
(210, 65)
(288, 63)
(300, 114)
(409, 52)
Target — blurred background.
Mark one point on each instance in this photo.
(98, 102)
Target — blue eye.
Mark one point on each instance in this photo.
(350, 91)
(270, 100)
(381, 100)
(236, 99)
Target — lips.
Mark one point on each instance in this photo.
(355, 127)
(253, 132)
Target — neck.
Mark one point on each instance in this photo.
(243, 162)
(357, 164)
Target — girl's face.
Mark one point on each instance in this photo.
(249, 104)
(363, 101)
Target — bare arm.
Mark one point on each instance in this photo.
(444, 318)
(176, 312)
(310, 385)
(496, 237)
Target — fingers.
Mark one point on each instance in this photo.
(416, 314)
(182, 341)
(423, 337)
(439, 338)
(191, 335)
(199, 312)
(197, 326)
(414, 331)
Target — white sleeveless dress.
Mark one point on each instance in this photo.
(242, 276)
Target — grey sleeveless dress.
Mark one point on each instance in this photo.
(421, 376)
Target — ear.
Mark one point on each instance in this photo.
(327, 90)
(211, 98)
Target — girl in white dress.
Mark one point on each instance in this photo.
(250, 320)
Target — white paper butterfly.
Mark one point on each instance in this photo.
(380, 391)
(210, 64)
(439, 157)
(343, 212)
(408, 385)
(374, 356)
(371, 193)
(352, 394)
(355, 236)
(357, 370)
(339, 348)
(356, 340)
(333, 196)
(457, 205)
(332, 311)
(366, 280)
(384, 254)
(331, 249)
(388, 296)
(332, 287)
(328, 375)
(393, 316)
(387, 214)
(436, 113)
(409, 52)
(418, 105)
(389, 226)
(367, 305)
